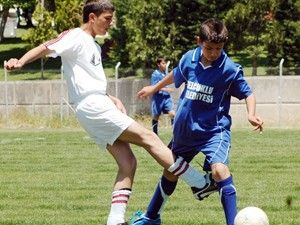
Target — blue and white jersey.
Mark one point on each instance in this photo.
(157, 76)
(205, 101)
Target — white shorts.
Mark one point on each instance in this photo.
(101, 119)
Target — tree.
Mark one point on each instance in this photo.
(160, 27)
(67, 14)
(247, 23)
(6, 5)
(283, 40)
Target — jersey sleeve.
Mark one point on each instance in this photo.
(180, 75)
(239, 87)
(62, 45)
(155, 78)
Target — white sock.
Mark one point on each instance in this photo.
(118, 206)
(187, 173)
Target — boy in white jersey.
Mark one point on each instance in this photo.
(101, 115)
(202, 122)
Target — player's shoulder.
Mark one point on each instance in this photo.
(231, 66)
(191, 56)
(191, 53)
(72, 33)
(155, 73)
(65, 36)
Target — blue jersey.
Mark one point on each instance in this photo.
(205, 101)
(157, 76)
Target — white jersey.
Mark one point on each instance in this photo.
(82, 64)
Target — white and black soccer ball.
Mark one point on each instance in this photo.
(251, 216)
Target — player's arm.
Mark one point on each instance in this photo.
(167, 89)
(30, 56)
(150, 90)
(118, 103)
(252, 118)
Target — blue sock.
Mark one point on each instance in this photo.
(155, 126)
(228, 199)
(163, 190)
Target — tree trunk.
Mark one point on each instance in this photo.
(3, 16)
(49, 5)
(254, 65)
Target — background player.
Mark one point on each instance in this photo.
(101, 115)
(202, 122)
(161, 101)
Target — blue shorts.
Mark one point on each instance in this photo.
(216, 150)
(161, 104)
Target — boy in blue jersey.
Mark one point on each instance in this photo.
(202, 122)
(161, 101)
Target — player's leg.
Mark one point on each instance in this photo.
(164, 189)
(171, 115)
(168, 108)
(126, 162)
(155, 111)
(155, 119)
(227, 190)
(137, 134)
(217, 158)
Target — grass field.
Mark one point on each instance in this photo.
(60, 177)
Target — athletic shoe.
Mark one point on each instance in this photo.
(209, 188)
(143, 220)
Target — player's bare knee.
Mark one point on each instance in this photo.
(220, 171)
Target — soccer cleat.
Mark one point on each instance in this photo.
(209, 188)
(143, 220)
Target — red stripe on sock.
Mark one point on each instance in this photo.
(178, 168)
(119, 201)
(120, 195)
(183, 171)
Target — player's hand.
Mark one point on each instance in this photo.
(257, 122)
(120, 106)
(13, 63)
(145, 92)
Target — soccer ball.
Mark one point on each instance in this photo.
(251, 216)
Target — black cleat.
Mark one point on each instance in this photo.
(209, 188)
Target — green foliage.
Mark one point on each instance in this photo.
(67, 14)
(284, 33)
(43, 31)
(268, 27)
(247, 23)
(23, 3)
(152, 28)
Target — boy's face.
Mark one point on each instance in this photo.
(211, 51)
(102, 23)
(162, 65)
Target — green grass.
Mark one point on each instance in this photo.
(60, 177)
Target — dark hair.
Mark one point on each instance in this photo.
(97, 7)
(160, 59)
(213, 30)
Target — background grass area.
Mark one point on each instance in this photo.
(60, 177)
